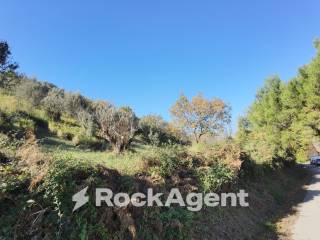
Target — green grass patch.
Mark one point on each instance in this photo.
(126, 163)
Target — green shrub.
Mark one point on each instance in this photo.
(166, 223)
(86, 121)
(157, 132)
(27, 124)
(152, 129)
(59, 184)
(17, 124)
(176, 222)
(165, 161)
(53, 104)
(215, 177)
(65, 177)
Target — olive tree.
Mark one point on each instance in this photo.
(53, 104)
(200, 116)
(117, 125)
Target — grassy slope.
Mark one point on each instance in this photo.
(128, 163)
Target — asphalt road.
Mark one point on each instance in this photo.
(307, 225)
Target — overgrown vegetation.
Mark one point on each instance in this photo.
(54, 143)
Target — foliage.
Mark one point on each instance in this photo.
(117, 125)
(152, 128)
(216, 176)
(86, 121)
(177, 222)
(33, 91)
(224, 150)
(156, 131)
(9, 81)
(62, 180)
(17, 124)
(75, 102)
(200, 116)
(284, 119)
(165, 161)
(5, 62)
(53, 104)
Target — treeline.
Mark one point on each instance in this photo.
(284, 119)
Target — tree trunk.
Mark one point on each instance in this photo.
(118, 148)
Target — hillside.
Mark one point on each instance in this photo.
(54, 143)
(32, 184)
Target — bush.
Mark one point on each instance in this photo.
(215, 177)
(177, 222)
(86, 121)
(75, 102)
(152, 129)
(155, 131)
(17, 124)
(53, 104)
(9, 81)
(226, 151)
(66, 177)
(33, 91)
(165, 161)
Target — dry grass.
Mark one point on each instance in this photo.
(33, 160)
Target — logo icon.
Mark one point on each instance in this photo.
(80, 198)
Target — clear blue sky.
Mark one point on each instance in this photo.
(145, 53)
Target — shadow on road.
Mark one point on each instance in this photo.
(287, 216)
